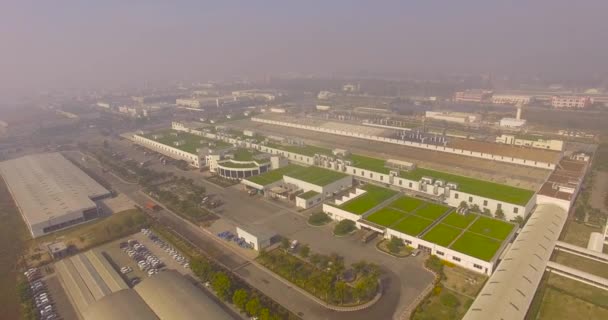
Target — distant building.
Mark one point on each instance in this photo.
(351, 87)
(473, 96)
(192, 103)
(571, 102)
(458, 117)
(104, 105)
(512, 122)
(323, 107)
(531, 141)
(511, 99)
(256, 94)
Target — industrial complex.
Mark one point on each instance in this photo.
(51, 192)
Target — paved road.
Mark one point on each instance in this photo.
(404, 278)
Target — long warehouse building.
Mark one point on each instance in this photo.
(51, 192)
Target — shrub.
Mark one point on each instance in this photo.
(344, 227)
(437, 290)
(318, 218)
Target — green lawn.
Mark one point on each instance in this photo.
(190, 142)
(476, 245)
(412, 225)
(474, 186)
(367, 163)
(407, 204)
(374, 196)
(230, 164)
(315, 175)
(304, 150)
(492, 228)
(308, 194)
(431, 211)
(385, 216)
(242, 154)
(459, 221)
(442, 234)
(274, 175)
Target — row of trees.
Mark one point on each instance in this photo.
(231, 289)
(323, 275)
(498, 214)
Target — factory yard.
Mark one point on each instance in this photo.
(502, 173)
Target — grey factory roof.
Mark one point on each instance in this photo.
(120, 305)
(510, 290)
(87, 278)
(172, 297)
(47, 185)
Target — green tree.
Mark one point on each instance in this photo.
(253, 307)
(395, 244)
(304, 251)
(201, 268)
(463, 205)
(475, 208)
(221, 285)
(264, 314)
(486, 212)
(240, 298)
(340, 291)
(499, 214)
(519, 220)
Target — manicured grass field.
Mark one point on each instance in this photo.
(474, 186)
(459, 221)
(407, 204)
(492, 228)
(242, 154)
(274, 175)
(304, 150)
(412, 225)
(385, 216)
(374, 196)
(315, 175)
(476, 245)
(442, 234)
(367, 163)
(431, 211)
(230, 164)
(190, 141)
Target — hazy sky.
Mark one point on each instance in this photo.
(89, 43)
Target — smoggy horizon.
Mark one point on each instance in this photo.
(50, 45)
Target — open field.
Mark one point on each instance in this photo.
(236, 165)
(13, 235)
(587, 265)
(474, 186)
(407, 204)
(492, 228)
(274, 175)
(90, 234)
(385, 217)
(374, 196)
(412, 225)
(431, 211)
(368, 163)
(459, 221)
(442, 234)
(476, 245)
(565, 299)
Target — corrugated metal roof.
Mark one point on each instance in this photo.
(510, 290)
(120, 305)
(47, 186)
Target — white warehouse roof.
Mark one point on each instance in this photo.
(46, 186)
(509, 291)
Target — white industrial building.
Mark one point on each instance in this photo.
(50, 192)
(172, 152)
(531, 141)
(457, 117)
(191, 103)
(258, 238)
(571, 102)
(512, 122)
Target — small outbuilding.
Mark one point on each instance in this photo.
(258, 239)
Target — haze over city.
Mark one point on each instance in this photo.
(112, 43)
(316, 160)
